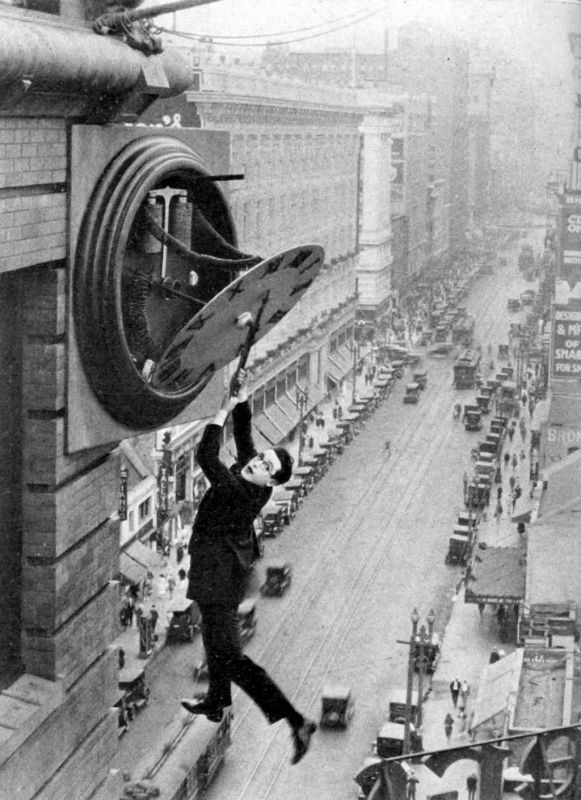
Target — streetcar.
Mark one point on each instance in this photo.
(466, 369)
(185, 764)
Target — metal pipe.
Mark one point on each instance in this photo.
(145, 13)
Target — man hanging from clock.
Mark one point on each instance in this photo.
(222, 549)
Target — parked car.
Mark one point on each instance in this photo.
(278, 579)
(184, 621)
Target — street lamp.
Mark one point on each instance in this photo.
(302, 398)
(415, 618)
(418, 643)
(423, 639)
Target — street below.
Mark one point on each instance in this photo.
(367, 546)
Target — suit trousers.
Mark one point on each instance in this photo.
(227, 664)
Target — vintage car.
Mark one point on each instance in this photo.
(527, 298)
(412, 393)
(397, 706)
(337, 706)
(391, 738)
(421, 378)
(133, 695)
(513, 304)
(458, 545)
(472, 418)
(184, 620)
(278, 579)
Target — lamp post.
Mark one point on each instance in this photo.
(302, 398)
(415, 618)
(424, 639)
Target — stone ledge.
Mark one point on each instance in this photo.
(23, 707)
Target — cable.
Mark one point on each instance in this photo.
(217, 39)
(282, 33)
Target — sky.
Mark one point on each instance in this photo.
(535, 31)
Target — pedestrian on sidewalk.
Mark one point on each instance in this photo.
(448, 723)
(412, 782)
(498, 511)
(514, 461)
(222, 550)
(499, 494)
(506, 458)
(455, 690)
(512, 482)
(471, 786)
(481, 608)
(464, 692)
(171, 585)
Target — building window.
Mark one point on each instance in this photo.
(144, 510)
(131, 521)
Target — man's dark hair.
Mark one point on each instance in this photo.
(286, 465)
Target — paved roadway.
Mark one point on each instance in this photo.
(367, 546)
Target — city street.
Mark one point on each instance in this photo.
(366, 547)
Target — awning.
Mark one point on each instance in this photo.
(130, 570)
(276, 414)
(268, 429)
(314, 395)
(334, 373)
(290, 409)
(498, 576)
(259, 441)
(338, 363)
(347, 355)
(144, 556)
(499, 683)
(523, 514)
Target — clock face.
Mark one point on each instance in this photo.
(212, 338)
(158, 282)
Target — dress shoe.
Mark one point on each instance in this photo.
(213, 712)
(302, 739)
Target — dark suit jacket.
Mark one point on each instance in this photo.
(223, 543)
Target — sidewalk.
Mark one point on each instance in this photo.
(470, 637)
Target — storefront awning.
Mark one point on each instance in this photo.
(523, 514)
(498, 576)
(334, 373)
(268, 429)
(315, 395)
(144, 556)
(280, 419)
(130, 571)
(338, 363)
(499, 683)
(289, 408)
(260, 442)
(347, 355)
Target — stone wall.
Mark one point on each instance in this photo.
(60, 546)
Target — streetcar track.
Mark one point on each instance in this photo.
(365, 576)
(404, 442)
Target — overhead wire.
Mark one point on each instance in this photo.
(219, 40)
(291, 30)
